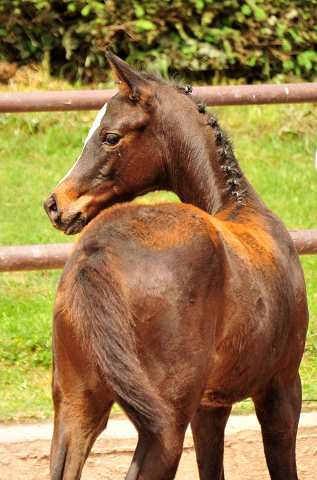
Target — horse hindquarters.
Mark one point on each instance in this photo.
(95, 364)
(82, 404)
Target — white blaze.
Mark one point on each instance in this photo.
(94, 127)
(96, 123)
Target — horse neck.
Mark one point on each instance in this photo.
(197, 183)
(202, 168)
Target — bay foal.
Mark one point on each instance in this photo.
(174, 311)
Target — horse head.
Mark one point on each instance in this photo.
(121, 157)
(150, 136)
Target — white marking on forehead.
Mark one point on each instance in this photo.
(94, 127)
(96, 123)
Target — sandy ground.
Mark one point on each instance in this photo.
(24, 451)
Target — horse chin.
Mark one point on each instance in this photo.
(71, 226)
(75, 225)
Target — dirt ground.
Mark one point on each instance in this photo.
(24, 452)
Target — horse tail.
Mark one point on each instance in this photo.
(103, 322)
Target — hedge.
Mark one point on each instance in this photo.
(253, 40)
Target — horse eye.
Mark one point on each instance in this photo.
(110, 139)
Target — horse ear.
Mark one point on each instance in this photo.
(129, 80)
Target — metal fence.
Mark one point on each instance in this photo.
(42, 257)
(211, 96)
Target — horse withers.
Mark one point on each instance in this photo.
(174, 311)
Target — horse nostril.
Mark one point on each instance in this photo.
(51, 206)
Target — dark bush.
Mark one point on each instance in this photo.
(202, 39)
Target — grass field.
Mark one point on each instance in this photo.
(276, 147)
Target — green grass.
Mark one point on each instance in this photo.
(275, 146)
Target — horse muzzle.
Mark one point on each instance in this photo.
(68, 222)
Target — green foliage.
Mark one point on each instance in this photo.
(253, 40)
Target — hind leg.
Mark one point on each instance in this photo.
(82, 405)
(157, 458)
(76, 427)
(278, 410)
(79, 419)
(208, 427)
